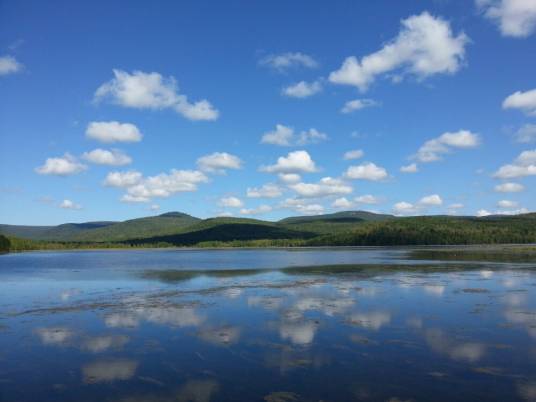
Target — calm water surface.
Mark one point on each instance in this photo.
(240, 325)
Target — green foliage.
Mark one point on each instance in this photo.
(434, 230)
(344, 229)
(5, 244)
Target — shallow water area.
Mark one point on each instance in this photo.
(264, 325)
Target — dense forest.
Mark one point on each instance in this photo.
(352, 228)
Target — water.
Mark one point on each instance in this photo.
(238, 325)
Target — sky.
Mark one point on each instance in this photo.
(112, 110)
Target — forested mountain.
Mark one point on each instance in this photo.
(352, 228)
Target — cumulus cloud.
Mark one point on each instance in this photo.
(526, 134)
(283, 61)
(285, 136)
(407, 208)
(61, 166)
(294, 162)
(516, 18)
(219, 162)
(302, 89)
(9, 65)
(484, 212)
(434, 149)
(411, 168)
(524, 101)
(358, 104)
(289, 177)
(367, 199)
(509, 187)
(325, 187)
(302, 206)
(431, 200)
(366, 171)
(425, 46)
(113, 131)
(262, 209)
(123, 179)
(68, 204)
(268, 190)
(142, 90)
(353, 154)
(143, 189)
(112, 157)
(524, 165)
(507, 204)
(342, 202)
(232, 202)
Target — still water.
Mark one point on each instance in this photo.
(264, 325)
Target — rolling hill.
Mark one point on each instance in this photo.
(350, 228)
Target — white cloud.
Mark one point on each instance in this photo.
(9, 65)
(367, 199)
(431, 200)
(282, 135)
(68, 204)
(113, 131)
(143, 189)
(411, 168)
(325, 187)
(507, 204)
(524, 101)
(123, 179)
(268, 190)
(61, 166)
(353, 154)
(284, 61)
(311, 136)
(142, 90)
(105, 157)
(366, 171)
(342, 202)
(358, 104)
(302, 206)
(509, 187)
(526, 134)
(294, 162)
(285, 136)
(218, 162)
(524, 165)
(405, 208)
(262, 209)
(166, 184)
(154, 207)
(515, 18)
(302, 89)
(289, 177)
(483, 212)
(433, 150)
(231, 202)
(424, 46)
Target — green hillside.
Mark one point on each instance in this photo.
(165, 224)
(60, 232)
(353, 228)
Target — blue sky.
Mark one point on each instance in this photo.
(111, 111)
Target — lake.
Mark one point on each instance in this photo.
(363, 324)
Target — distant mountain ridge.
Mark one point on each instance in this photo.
(340, 228)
